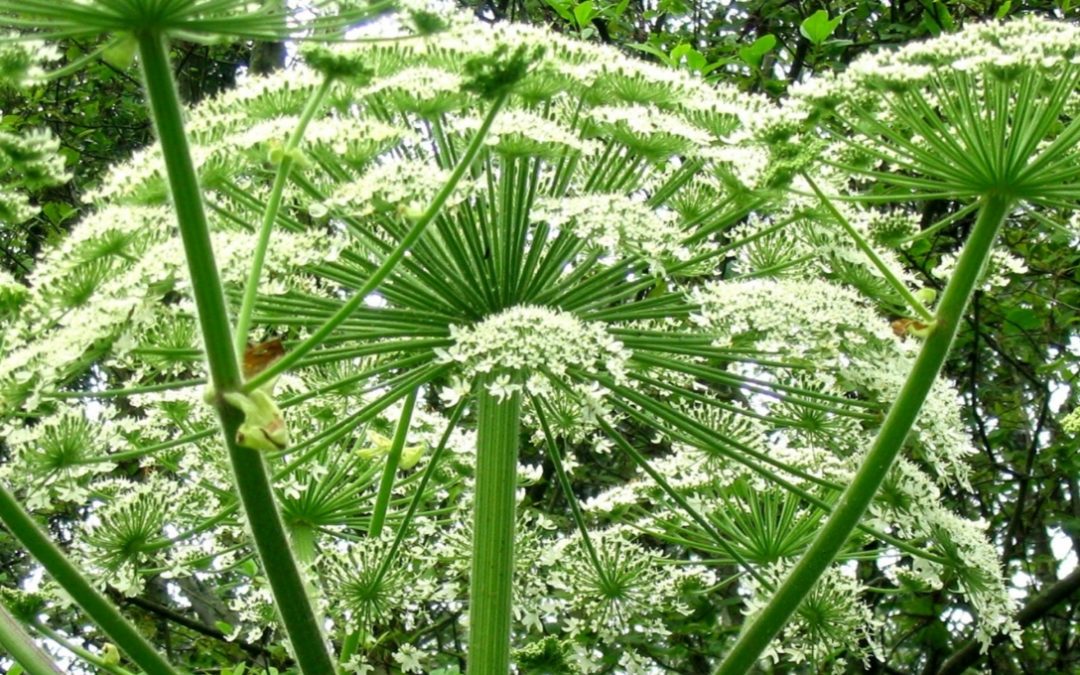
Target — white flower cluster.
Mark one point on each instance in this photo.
(345, 137)
(423, 90)
(971, 562)
(402, 186)
(1003, 48)
(621, 158)
(22, 60)
(527, 133)
(831, 619)
(534, 342)
(851, 346)
(617, 224)
(998, 271)
(15, 206)
(795, 316)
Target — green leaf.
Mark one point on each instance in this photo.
(1003, 11)
(224, 627)
(680, 50)
(818, 26)
(616, 11)
(583, 13)
(652, 49)
(1024, 318)
(121, 52)
(753, 53)
(561, 8)
(58, 212)
(944, 17)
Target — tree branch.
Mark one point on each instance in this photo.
(1035, 609)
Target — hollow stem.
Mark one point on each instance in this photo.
(252, 482)
(890, 438)
(97, 606)
(494, 514)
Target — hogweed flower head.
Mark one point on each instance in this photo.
(989, 110)
(583, 263)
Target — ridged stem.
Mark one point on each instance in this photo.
(97, 606)
(890, 439)
(252, 481)
(494, 516)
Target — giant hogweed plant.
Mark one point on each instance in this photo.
(419, 279)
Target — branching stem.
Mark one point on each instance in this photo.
(252, 481)
(392, 259)
(21, 647)
(273, 205)
(868, 250)
(97, 606)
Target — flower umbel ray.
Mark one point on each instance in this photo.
(195, 20)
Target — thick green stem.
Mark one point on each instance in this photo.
(252, 482)
(23, 649)
(890, 439)
(391, 260)
(273, 205)
(494, 515)
(187, 200)
(97, 607)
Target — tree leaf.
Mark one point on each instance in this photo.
(818, 26)
(583, 13)
(753, 53)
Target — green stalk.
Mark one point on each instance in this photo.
(494, 514)
(97, 607)
(382, 500)
(567, 488)
(890, 439)
(352, 641)
(393, 458)
(391, 260)
(22, 647)
(273, 205)
(897, 285)
(89, 657)
(253, 484)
